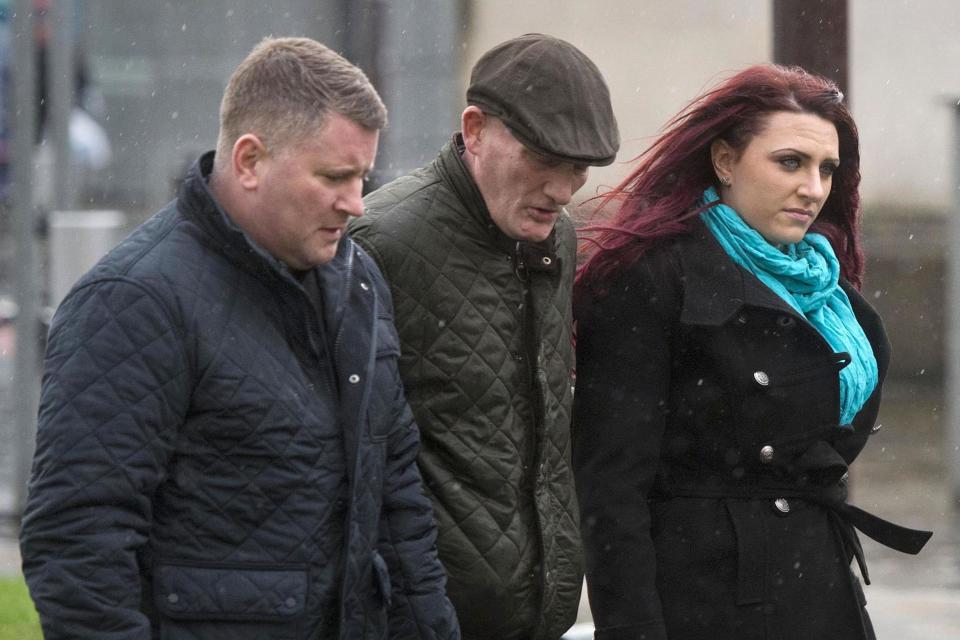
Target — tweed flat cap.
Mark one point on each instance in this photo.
(550, 95)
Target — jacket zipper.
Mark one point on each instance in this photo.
(533, 364)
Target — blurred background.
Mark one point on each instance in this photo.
(105, 103)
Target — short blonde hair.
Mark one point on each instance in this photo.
(287, 86)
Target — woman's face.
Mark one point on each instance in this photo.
(781, 180)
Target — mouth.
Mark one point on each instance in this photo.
(804, 215)
(332, 232)
(543, 214)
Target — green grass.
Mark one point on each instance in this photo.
(18, 618)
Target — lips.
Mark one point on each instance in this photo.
(800, 214)
(542, 214)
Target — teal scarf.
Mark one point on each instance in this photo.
(806, 276)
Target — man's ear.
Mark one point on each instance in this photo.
(473, 121)
(248, 155)
(723, 157)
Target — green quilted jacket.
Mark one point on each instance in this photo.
(485, 330)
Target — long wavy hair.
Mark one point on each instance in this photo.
(659, 199)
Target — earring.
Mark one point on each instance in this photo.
(725, 181)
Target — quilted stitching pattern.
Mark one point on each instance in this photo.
(503, 495)
(187, 423)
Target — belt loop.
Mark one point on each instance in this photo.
(751, 551)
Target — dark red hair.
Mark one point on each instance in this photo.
(659, 199)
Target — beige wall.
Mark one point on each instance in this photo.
(905, 64)
(904, 61)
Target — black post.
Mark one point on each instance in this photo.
(813, 35)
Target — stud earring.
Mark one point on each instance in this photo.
(725, 181)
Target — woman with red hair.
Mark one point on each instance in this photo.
(728, 372)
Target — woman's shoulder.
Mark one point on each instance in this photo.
(652, 282)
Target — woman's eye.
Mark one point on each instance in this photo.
(790, 162)
(828, 169)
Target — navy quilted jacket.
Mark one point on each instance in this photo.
(196, 475)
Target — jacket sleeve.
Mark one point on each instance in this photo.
(114, 392)
(420, 607)
(622, 390)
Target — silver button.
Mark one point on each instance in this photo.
(547, 260)
(742, 319)
(876, 428)
(173, 598)
(766, 454)
(364, 286)
(354, 378)
(782, 505)
(845, 478)
(761, 377)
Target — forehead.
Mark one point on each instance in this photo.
(337, 140)
(805, 132)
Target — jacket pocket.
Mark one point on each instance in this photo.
(229, 602)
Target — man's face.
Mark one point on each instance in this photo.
(524, 191)
(308, 190)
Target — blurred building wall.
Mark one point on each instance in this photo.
(905, 66)
(162, 66)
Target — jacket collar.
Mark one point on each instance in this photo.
(198, 204)
(715, 287)
(449, 165)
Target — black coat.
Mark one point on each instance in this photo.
(710, 466)
(215, 460)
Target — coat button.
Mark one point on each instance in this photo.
(173, 598)
(782, 505)
(742, 319)
(786, 321)
(354, 378)
(766, 454)
(364, 286)
(761, 377)
(876, 428)
(291, 602)
(547, 260)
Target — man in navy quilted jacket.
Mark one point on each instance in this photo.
(224, 450)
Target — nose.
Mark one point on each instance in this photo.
(814, 187)
(561, 186)
(351, 199)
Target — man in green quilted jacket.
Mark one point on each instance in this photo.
(480, 256)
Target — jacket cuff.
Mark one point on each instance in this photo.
(653, 630)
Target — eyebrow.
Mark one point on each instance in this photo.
(834, 160)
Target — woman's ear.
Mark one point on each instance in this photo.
(723, 157)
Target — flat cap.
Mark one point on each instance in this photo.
(550, 95)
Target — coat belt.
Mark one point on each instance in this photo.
(833, 498)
